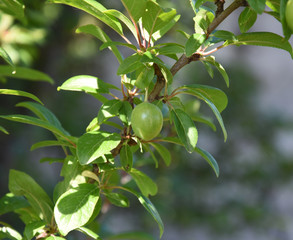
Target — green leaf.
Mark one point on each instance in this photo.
(257, 5)
(20, 93)
(94, 8)
(117, 199)
(126, 158)
(266, 39)
(203, 119)
(2, 129)
(185, 129)
(193, 43)
(171, 48)
(36, 122)
(131, 236)
(130, 64)
(145, 77)
(221, 69)
(202, 20)
(148, 205)
(246, 19)
(75, 207)
(6, 57)
(224, 35)
(155, 19)
(89, 233)
(21, 184)
(9, 233)
(163, 152)
(86, 83)
(49, 143)
(287, 31)
(109, 109)
(215, 95)
(24, 73)
(102, 36)
(71, 171)
(124, 19)
(146, 185)
(167, 26)
(202, 95)
(274, 5)
(93, 145)
(27, 215)
(14, 8)
(44, 114)
(34, 228)
(125, 113)
(134, 8)
(210, 159)
(110, 44)
(10, 203)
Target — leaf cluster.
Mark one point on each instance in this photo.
(96, 164)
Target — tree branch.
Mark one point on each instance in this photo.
(182, 61)
(160, 84)
(224, 14)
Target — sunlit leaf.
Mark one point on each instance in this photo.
(193, 43)
(134, 8)
(9, 233)
(185, 129)
(94, 8)
(75, 207)
(20, 93)
(146, 185)
(24, 73)
(109, 109)
(86, 83)
(93, 145)
(34, 228)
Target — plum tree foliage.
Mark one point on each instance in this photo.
(93, 159)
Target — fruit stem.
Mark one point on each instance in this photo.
(146, 94)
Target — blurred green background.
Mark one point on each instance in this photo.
(252, 198)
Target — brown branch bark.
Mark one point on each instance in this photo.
(160, 84)
(224, 14)
(220, 6)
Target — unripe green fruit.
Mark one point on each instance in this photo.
(146, 121)
(289, 14)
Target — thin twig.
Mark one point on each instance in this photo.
(224, 14)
